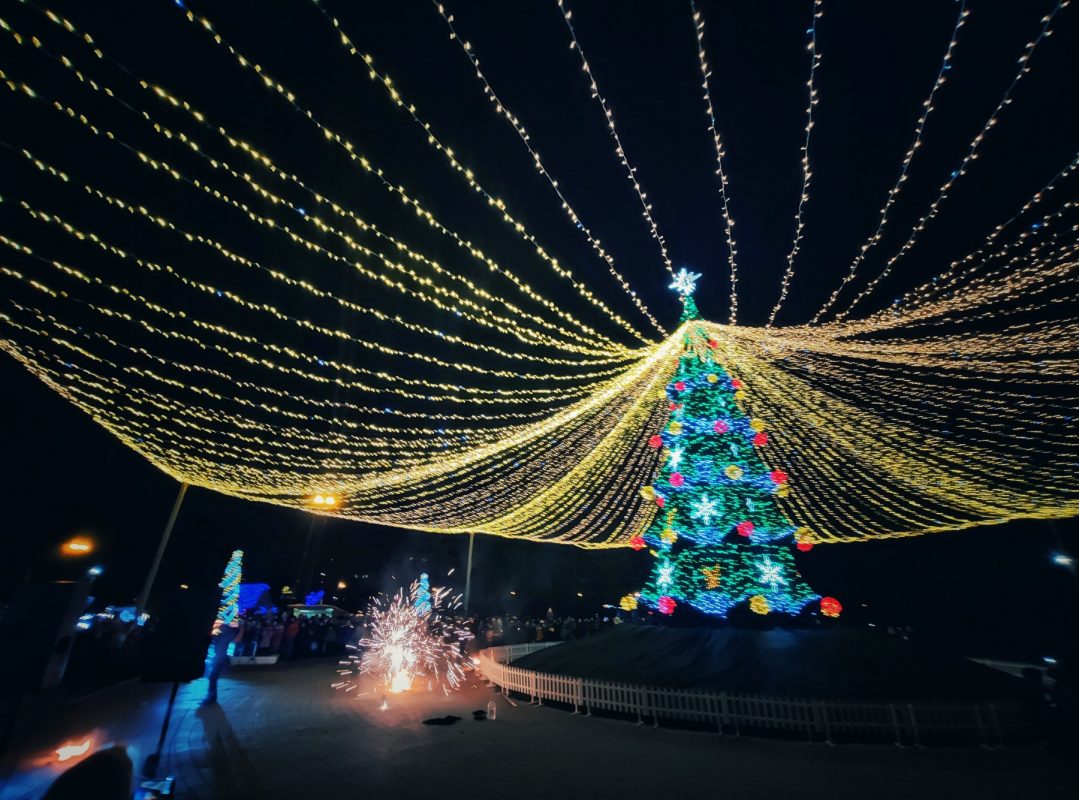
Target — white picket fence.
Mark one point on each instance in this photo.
(988, 724)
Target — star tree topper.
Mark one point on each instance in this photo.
(685, 282)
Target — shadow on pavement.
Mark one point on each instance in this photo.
(234, 776)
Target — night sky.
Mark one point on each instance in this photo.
(988, 590)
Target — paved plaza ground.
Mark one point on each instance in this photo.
(282, 732)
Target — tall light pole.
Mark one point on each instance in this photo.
(140, 603)
(468, 570)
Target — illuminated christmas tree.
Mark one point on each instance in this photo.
(229, 608)
(719, 538)
(422, 601)
(230, 588)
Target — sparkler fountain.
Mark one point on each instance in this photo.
(412, 635)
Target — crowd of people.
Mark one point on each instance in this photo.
(289, 636)
(510, 629)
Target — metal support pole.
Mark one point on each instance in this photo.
(149, 769)
(468, 570)
(301, 578)
(144, 595)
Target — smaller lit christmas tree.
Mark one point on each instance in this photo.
(230, 588)
(229, 608)
(422, 601)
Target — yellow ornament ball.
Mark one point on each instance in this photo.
(668, 536)
(739, 396)
(734, 472)
(757, 425)
(628, 603)
(804, 536)
(783, 490)
(648, 493)
(758, 604)
(711, 576)
(712, 378)
(675, 429)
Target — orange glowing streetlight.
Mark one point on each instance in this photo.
(77, 546)
(71, 750)
(324, 501)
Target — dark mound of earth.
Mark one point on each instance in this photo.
(838, 662)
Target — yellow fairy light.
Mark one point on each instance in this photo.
(807, 173)
(728, 220)
(949, 410)
(502, 111)
(971, 154)
(332, 136)
(893, 193)
(620, 151)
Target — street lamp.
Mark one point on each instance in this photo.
(1063, 560)
(95, 571)
(78, 546)
(324, 500)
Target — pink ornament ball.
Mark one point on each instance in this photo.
(677, 479)
(744, 528)
(721, 426)
(666, 605)
(680, 386)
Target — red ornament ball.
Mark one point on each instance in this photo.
(655, 442)
(660, 501)
(760, 439)
(672, 406)
(778, 476)
(737, 384)
(830, 607)
(637, 543)
(804, 547)
(744, 528)
(721, 426)
(680, 386)
(677, 479)
(666, 605)
(713, 343)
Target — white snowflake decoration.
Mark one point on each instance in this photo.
(770, 573)
(676, 457)
(685, 281)
(704, 510)
(666, 573)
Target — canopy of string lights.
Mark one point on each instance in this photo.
(247, 331)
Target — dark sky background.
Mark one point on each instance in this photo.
(990, 590)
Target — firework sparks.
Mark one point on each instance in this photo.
(409, 639)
